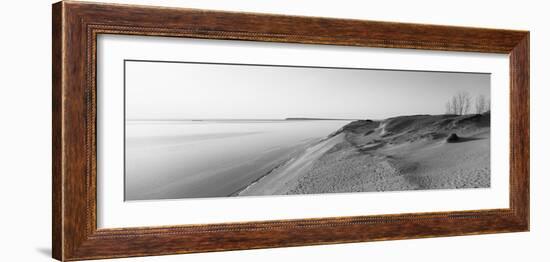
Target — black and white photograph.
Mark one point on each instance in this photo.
(275, 131)
(201, 130)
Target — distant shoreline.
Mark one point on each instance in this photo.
(307, 118)
(228, 120)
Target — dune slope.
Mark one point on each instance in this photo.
(401, 153)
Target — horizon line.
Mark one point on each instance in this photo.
(278, 119)
(257, 119)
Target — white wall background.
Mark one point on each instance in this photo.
(25, 147)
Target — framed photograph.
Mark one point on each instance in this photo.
(182, 130)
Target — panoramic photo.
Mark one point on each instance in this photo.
(198, 130)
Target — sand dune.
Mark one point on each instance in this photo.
(401, 153)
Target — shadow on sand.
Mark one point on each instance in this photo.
(464, 139)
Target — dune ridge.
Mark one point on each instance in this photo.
(399, 153)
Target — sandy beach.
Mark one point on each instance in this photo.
(402, 153)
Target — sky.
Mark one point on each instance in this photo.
(159, 90)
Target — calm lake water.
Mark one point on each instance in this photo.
(190, 159)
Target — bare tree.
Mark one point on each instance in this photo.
(466, 101)
(459, 104)
(454, 106)
(482, 104)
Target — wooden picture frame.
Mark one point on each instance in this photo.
(75, 28)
